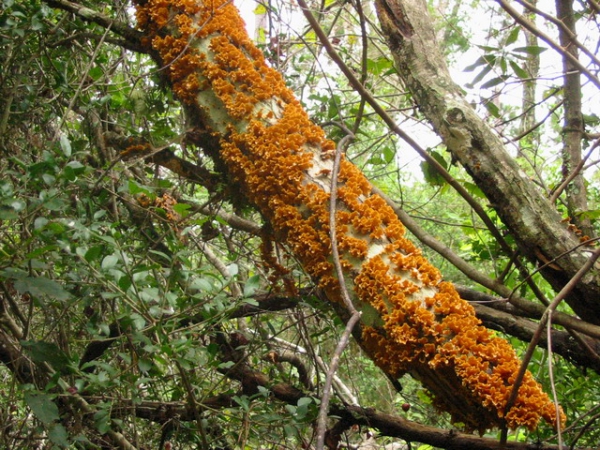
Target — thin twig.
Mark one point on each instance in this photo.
(573, 173)
(193, 403)
(355, 315)
(547, 317)
(132, 36)
(588, 424)
(552, 383)
(83, 80)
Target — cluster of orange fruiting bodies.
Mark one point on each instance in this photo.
(269, 147)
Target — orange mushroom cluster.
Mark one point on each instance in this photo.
(282, 162)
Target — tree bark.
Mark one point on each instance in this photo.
(397, 426)
(528, 129)
(532, 220)
(576, 192)
(282, 165)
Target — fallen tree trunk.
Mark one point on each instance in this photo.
(282, 164)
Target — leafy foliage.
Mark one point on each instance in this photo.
(137, 303)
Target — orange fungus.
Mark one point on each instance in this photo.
(282, 162)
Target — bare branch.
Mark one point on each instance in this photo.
(395, 426)
(546, 318)
(132, 36)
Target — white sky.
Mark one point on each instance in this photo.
(247, 8)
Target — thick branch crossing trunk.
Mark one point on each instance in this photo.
(412, 321)
(534, 223)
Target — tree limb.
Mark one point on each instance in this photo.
(132, 37)
(533, 221)
(395, 426)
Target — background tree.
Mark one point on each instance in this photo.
(133, 311)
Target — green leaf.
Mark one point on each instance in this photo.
(251, 285)
(473, 189)
(182, 209)
(590, 214)
(481, 75)
(242, 401)
(519, 71)
(260, 9)
(135, 188)
(233, 269)
(58, 435)
(388, 154)
(291, 432)
(591, 119)
(304, 401)
(493, 82)
(93, 253)
(492, 108)
(102, 420)
(55, 204)
(10, 207)
(145, 364)
(47, 352)
(485, 60)
(39, 286)
(226, 365)
(479, 62)
(137, 321)
(488, 48)
(424, 397)
(376, 161)
(431, 175)
(502, 64)
(95, 73)
(48, 179)
(201, 284)
(110, 261)
(76, 166)
(6, 214)
(72, 170)
(531, 49)
(39, 222)
(65, 145)
(43, 407)
(513, 36)
(379, 65)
